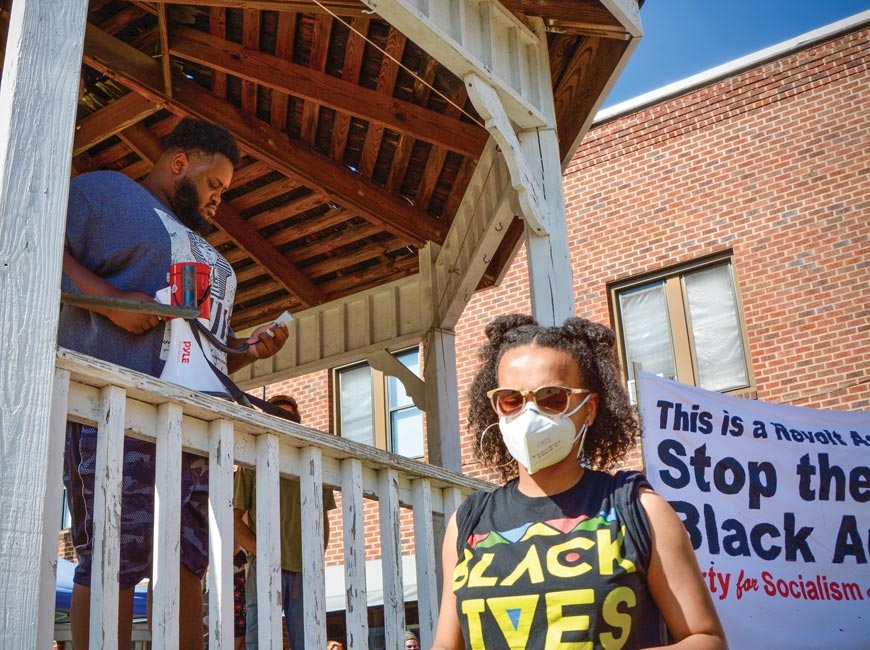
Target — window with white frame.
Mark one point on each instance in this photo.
(685, 323)
(373, 408)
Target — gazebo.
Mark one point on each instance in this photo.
(396, 153)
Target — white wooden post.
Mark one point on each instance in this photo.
(442, 399)
(167, 534)
(37, 118)
(220, 534)
(311, 489)
(550, 276)
(353, 522)
(391, 558)
(268, 547)
(425, 552)
(107, 519)
(53, 508)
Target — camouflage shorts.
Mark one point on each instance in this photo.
(137, 505)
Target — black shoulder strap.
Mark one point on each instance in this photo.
(628, 483)
(467, 516)
(240, 396)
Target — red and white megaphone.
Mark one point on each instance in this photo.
(186, 365)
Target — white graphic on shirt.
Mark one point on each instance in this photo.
(187, 246)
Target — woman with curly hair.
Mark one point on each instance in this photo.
(564, 555)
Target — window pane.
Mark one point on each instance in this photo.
(406, 432)
(406, 420)
(646, 330)
(355, 404)
(715, 327)
(395, 389)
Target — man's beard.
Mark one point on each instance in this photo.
(185, 204)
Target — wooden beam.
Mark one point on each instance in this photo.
(139, 72)
(140, 139)
(165, 60)
(338, 7)
(586, 17)
(579, 88)
(323, 89)
(263, 253)
(106, 122)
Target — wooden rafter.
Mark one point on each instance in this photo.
(321, 89)
(139, 72)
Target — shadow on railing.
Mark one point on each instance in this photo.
(119, 401)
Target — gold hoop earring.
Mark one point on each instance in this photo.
(480, 445)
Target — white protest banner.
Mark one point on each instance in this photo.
(776, 500)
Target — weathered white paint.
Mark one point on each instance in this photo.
(427, 580)
(229, 432)
(220, 506)
(391, 563)
(107, 519)
(312, 548)
(476, 37)
(524, 180)
(167, 538)
(450, 274)
(37, 117)
(268, 544)
(442, 418)
(626, 12)
(52, 507)
(144, 393)
(551, 280)
(390, 365)
(352, 509)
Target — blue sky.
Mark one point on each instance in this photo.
(685, 37)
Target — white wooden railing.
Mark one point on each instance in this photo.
(119, 401)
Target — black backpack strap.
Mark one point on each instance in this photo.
(467, 516)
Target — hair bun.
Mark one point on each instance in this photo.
(498, 328)
(598, 336)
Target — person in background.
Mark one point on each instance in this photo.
(121, 238)
(240, 561)
(563, 554)
(411, 642)
(245, 517)
(332, 644)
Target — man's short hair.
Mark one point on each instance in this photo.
(191, 135)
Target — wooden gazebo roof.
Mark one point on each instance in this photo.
(358, 146)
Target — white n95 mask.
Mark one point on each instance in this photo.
(536, 440)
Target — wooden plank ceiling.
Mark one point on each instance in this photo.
(357, 145)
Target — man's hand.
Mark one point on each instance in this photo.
(263, 343)
(135, 322)
(266, 341)
(88, 282)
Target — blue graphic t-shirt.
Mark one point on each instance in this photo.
(565, 571)
(120, 231)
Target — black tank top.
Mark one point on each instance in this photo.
(540, 572)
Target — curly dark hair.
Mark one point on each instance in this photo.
(591, 345)
(198, 136)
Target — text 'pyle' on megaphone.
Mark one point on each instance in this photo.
(186, 364)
